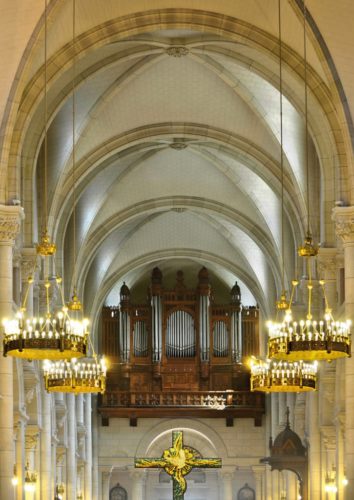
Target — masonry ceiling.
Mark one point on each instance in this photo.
(177, 142)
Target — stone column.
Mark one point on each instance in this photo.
(88, 463)
(31, 440)
(71, 451)
(274, 415)
(20, 455)
(28, 262)
(275, 484)
(259, 474)
(45, 448)
(106, 477)
(60, 463)
(344, 218)
(227, 476)
(95, 450)
(282, 410)
(268, 495)
(138, 484)
(10, 217)
(339, 423)
(315, 446)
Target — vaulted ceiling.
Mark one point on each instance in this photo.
(178, 144)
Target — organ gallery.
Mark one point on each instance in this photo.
(181, 342)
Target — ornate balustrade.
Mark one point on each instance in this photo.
(226, 404)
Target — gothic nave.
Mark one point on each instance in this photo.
(177, 152)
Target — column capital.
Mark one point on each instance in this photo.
(60, 454)
(106, 473)
(28, 262)
(227, 472)
(258, 470)
(344, 219)
(137, 475)
(10, 220)
(327, 262)
(31, 438)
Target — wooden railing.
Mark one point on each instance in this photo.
(190, 399)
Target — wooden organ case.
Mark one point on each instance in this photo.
(180, 353)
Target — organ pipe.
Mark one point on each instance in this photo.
(124, 335)
(156, 328)
(180, 335)
(204, 327)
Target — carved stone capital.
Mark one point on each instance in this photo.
(327, 263)
(227, 473)
(344, 219)
(137, 475)
(10, 221)
(28, 262)
(31, 438)
(61, 454)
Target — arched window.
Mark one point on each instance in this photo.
(246, 493)
(118, 493)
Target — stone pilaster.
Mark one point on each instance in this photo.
(259, 476)
(32, 458)
(20, 429)
(28, 263)
(106, 477)
(314, 440)
(339, 425)
(45, 448)
(344, 219)
(138, 484)
(71, 450)
(10, 218)
(88, 463)
(227, 475)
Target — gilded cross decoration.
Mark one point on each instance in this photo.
(178, 461)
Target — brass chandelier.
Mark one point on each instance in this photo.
(86, 375)
(281, 376)
(274, 375)
(55, 335)
(307, 338)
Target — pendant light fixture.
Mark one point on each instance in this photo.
(86, 375)
(55, 335)
(281, 376)
(273, 375)
(308, 339)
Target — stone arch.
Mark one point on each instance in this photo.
(118, 493)
(182, 18)
(203, 438)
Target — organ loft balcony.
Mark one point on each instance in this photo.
(180, 354)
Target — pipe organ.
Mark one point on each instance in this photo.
(180, 339)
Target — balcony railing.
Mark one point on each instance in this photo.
(197, 399)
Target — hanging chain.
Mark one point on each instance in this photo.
(306, 128)
(45, 120)
(73, 144)
(281, 147)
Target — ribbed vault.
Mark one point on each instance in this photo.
(177, 146)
